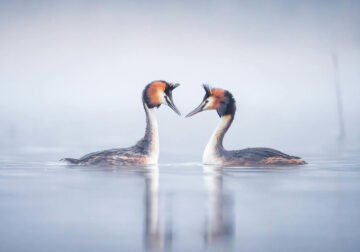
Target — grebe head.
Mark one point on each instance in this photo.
(216, 99)
(160, 92)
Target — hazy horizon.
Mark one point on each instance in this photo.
(72, 73)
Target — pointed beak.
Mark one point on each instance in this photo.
(171, 104)
(197, 110)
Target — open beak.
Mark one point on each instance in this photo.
(197, 110)
(171, 104)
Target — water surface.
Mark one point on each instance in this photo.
(49, 206)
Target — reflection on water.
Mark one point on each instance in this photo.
(156, 237)
(219, 219)
(153, 233)
(180, 207)
(219, 223)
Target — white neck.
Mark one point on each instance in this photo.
(152, 134)
(211, 155)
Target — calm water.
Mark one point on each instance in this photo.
(48, 206)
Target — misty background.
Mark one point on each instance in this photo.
(72, 73)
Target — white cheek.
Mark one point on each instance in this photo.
(209, 105)
(162, 98)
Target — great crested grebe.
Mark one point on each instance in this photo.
(145, 151)
(223, 102)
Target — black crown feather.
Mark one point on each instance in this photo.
(172, 86)
(207, 90)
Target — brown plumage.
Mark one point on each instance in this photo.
(154, 92)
